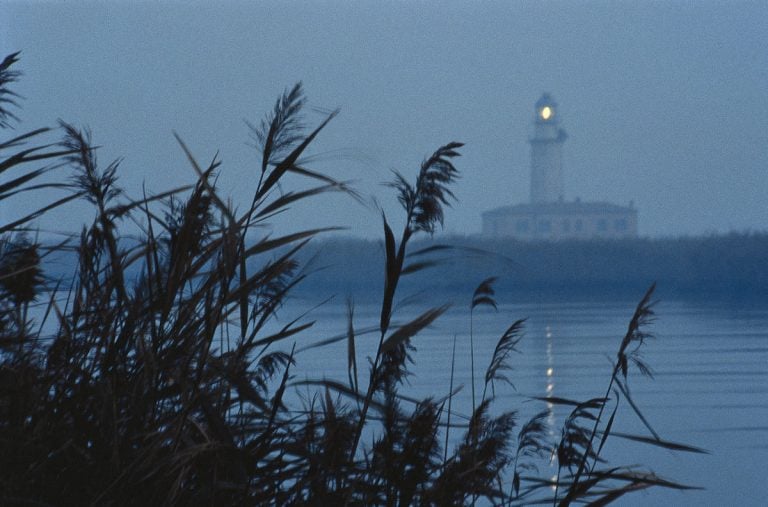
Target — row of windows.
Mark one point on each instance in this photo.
(545, 226)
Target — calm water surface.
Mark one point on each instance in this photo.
(710, 386)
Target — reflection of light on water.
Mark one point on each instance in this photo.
(550, 382)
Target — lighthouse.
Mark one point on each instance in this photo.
(547, 152)
(548, 216)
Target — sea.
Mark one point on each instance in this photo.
(709, 384)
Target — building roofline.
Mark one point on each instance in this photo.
(561, 208)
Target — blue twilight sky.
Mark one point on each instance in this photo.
(665, 103)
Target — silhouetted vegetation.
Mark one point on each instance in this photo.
(157, 378)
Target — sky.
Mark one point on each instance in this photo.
(665, 103)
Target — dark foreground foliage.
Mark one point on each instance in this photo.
(170, 387)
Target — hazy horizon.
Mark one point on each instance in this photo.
(665, 104)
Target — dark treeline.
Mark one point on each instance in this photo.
(729, 265)
(732, 265)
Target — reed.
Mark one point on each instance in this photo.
(155, 377)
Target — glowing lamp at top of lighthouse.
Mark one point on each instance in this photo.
(546, 110)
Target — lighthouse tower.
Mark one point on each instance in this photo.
(546, 153)
(548, 216)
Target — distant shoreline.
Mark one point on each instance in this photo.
(729, 266)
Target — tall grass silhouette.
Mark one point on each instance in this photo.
(156, 376)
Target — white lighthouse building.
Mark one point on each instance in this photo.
(547, 153)
(548, 216)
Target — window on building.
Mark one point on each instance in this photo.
(544, 226)
(578, 225)
(602, 225)
(566, 225)
(521, 226)
(620, 224)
